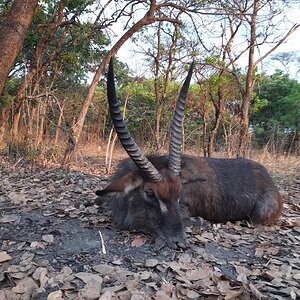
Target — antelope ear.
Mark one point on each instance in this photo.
(187, 176)
(124, 184)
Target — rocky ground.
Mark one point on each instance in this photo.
(55, 245)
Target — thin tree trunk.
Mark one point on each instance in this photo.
(218, 115)
(203, 112)
(225, 137)
(40, 132)
(59, 125)
(15, 125)
(230, 141)
(244, 134)
(70, 148)
(204, 138)
(3, 121)
(158, 96)
(31, 118)
(169, 66)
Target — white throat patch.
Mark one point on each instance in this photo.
(163, 207)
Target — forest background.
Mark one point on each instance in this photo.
(53, 58)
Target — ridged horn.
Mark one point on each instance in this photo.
(174, 164)
(128, 143)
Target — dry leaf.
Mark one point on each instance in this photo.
(49, 238)
(256, 292)
(233, 294)
(274, 274)
(26, 258)
(199, 274)
(152, 262)
(56, 295)
(259, 251)
(117, 261)
(208, 236)
(17, 198)
(224, 287)
(10, 218)
(296, 276)
(86, 277)
(104, 269)
(138, 241)
(25, 285)
(40, 275)
(241, 269)
(161, 295)
(192, 295)
(108, 295)
(37, 245)
(242, 278)
(185, 258)
(145, 275)
(167, 289)
(91, 290)
(4, 257)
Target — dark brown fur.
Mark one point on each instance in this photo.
(217, 190)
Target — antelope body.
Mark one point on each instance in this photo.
(155, 193)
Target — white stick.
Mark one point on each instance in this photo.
(102, 242)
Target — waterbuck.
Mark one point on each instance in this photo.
(154, 193)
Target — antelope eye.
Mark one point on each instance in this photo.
(149, 193)
(150, 197)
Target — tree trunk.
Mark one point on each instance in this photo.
(12, 34)
(218, 115)
(158, 96)
(3, 120)
(15, 125)
(204, 141)
(244, 131)
(59, 125)
(31, 118)
(41, 121)
(203, 112)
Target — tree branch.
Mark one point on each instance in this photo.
(291, 31)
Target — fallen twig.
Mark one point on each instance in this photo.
(102, 243)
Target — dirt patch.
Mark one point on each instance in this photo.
(51, 246)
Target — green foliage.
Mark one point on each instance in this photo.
(10, 91)
(4, 9)
(213, 60)
(82, 46)
(142, 106)
(276, 110)
(258, 105)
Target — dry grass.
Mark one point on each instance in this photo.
(91, 158)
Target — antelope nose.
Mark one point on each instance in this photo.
(177, 242)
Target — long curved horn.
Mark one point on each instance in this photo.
(124, 136)
(176, 127)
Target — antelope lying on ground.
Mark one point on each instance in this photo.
(150, 193)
